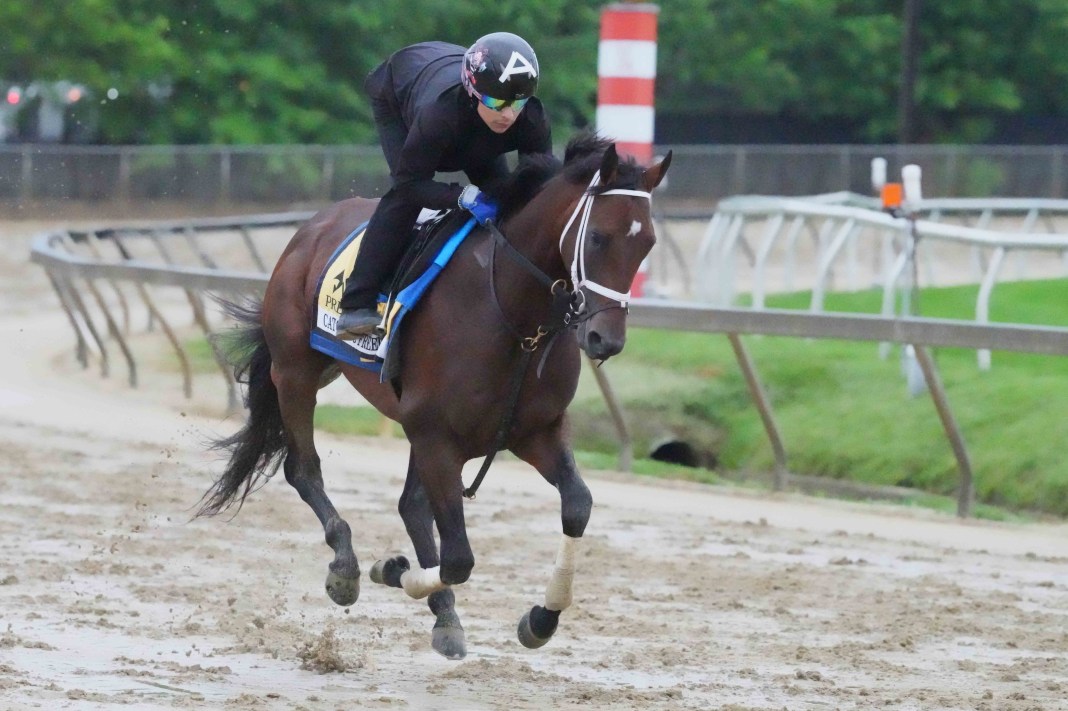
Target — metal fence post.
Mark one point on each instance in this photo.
(26, 175)
(125, 169)
(224, 176)
(966, 490)
(763, 405)
(626, 447)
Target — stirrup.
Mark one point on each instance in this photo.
(358, 322)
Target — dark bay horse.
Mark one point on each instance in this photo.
(579, 230)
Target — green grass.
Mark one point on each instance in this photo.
(201, 357)
(339, 419)
(845, 413)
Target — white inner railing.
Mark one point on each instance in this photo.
(753, 246)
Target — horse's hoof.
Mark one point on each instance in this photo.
(448, 638)
(388, 571)
(526, 635)
(343, 591)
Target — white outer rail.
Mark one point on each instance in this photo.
(838, 222)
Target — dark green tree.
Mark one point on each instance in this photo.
(281, 71)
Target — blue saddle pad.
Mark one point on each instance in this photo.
(370, 351)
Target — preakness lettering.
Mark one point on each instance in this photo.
(517, 64)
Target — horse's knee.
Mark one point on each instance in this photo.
(457, 569)
(576, 504)
(412, 503)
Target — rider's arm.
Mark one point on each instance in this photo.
(431, 137)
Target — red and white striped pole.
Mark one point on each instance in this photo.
(626, 72)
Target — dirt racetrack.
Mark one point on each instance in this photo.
(686, 597)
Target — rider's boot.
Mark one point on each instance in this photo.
(357, 322)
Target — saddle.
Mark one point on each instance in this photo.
(428, 238)
(432, 244)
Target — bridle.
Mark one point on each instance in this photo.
(568, 308)
(578, 261)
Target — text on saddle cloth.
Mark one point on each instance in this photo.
(370, 351)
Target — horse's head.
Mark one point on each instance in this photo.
(604, 242)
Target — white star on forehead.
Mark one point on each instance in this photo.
(635, 228)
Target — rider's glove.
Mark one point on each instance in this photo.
(482, 206)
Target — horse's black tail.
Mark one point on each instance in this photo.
(258, 448)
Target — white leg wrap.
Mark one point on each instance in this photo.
(558, 593)
(420, 582)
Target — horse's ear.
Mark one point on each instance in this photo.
(654, 174)
(609, 165)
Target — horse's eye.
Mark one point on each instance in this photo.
(598, 239)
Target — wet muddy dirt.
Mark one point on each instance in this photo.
(686, 597)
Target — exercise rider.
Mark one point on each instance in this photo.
(439, 107)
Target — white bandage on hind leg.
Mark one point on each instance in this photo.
(558, 593)
(420, 582)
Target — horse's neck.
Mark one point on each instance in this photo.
(535, 232)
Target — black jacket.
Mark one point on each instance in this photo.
(419, 87)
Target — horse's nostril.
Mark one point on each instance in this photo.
(600, 348)
(593, 342)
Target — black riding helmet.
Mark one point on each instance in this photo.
(502, 66)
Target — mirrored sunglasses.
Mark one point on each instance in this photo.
(501, 104)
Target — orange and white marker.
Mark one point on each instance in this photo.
(626, 75)
(626, 72)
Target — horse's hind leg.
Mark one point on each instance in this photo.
(297, 385)
(547, 452)
(448, 637)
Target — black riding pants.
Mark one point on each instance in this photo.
(380, 253)
(387, 233)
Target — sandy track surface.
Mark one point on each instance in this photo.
(686, 597)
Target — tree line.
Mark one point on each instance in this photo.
(289, 71)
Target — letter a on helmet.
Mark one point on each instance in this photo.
(517, 64)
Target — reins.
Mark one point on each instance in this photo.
(567, 311)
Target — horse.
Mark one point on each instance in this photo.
(549, 278)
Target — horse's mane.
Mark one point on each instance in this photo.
(582, 157)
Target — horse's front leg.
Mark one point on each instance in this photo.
(547, 452)
(414, 507)
(296, 397)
